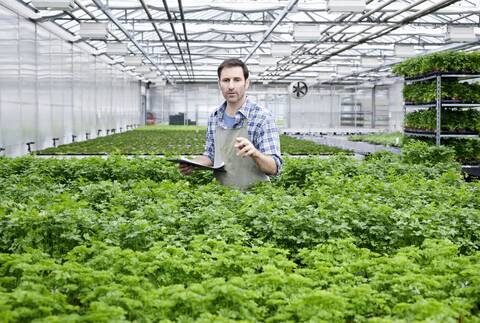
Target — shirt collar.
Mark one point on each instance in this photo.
(244, 110)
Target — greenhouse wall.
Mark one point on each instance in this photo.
(323, 108)
(396, 113)
(50, 88)
(195, 102)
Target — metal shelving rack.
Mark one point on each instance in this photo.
(439, 104)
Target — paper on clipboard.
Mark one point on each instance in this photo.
(197, 166)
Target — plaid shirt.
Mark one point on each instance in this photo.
(262, 131)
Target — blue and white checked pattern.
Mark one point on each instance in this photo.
(262, 131)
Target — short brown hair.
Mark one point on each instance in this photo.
(232, 62)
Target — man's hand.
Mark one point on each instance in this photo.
(245, 148)
(265, 163)
(185, 169)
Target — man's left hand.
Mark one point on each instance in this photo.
(245, 148)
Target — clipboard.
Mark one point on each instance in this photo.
(197, 166)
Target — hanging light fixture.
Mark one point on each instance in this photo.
(281, 50)
(95, 30)
(346, 5)
(461, 34)
(133, 60)
(306, 32)
(117, 49)
(404, 50)
(64, 5)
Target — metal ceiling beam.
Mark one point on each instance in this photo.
(407, 8)
(299, 51)
(366, 15)
(92, 16)
(186, 37)
(109, 14)
(169, 16)
(277, 21)
(266, 22)
(276, 7)
(387, 30)
(145, 8)
(440, 41)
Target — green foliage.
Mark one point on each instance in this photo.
(419, 152)
(146, 140)
(449, 61)
(171, 140)
(394, 139)
(294, 146)
(467, 150)
(425, 92)
(211, 280)
(383, 156)
(334, 240)
(453, 120)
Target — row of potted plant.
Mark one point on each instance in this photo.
(467, 150)
(445, 62)
(452, 120)
(425, 92)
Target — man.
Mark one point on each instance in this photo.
(240, 134)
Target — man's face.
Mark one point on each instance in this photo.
(233, 84)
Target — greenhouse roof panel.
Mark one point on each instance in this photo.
(189, 34)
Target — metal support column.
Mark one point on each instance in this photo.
(439, 109)
(332, 93)
(374, 107)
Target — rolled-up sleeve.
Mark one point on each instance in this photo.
(210, 139)
(268, 141)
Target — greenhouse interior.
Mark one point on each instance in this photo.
(239, 161)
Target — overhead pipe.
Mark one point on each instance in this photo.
(298, 52)
(169, 16)
(92, 17)
(182, 17)
(277, 21)
(21, 8)
(109, 14)
(149, 15)
(273, 7)
(301, 22)
(384, 31)
(378, 8)
(365, 15)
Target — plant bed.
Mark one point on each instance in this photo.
(394, 139)
(171, 140)
(335, 240)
